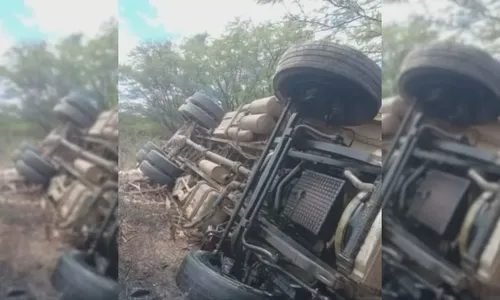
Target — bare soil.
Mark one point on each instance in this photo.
(27, 257)
(149, 259)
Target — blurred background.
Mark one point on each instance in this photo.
(407, 23)
(45, 54)
(227, 49)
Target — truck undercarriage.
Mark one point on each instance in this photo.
(441, 189)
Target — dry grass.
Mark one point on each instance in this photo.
(26, 256)
(148, 258)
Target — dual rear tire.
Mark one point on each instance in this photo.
(155, 165)
(78, 110)
(30, 164)
(203, 110)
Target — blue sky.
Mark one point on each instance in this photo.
(136, 13)
(139, 19)
(12, 14)
(22, 20)
(174, 19)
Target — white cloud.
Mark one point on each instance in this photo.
(126, 41)
(188, 17)
(63, 17)
(6, 40)
(400, 13)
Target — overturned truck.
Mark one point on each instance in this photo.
(282, 188)
(441, 186)
(76, 167)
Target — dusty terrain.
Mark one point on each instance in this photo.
(148, 258)
(26, 255)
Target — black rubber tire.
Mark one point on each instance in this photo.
(17, 154)
(141, 155)
(155, 175)
(198, 115)
(347, 83)
(199, 280)
(152, 146)
(162, 163)
(38, 163)
(76, 280)
(30, 174)
(83, 104)
(183, 114)
(468, 76)
(66, 112)
(25, 145)
(208, 105)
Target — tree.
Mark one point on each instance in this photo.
(473, 21)
(39, 74)
(398, 40)
(235, 68)
(357, 23)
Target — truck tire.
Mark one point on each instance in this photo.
(152, 146)
(23, 146)
(155, 175)
(66, 112)
(199, 279)
(38, 163)
(208, 105)
(467, 78)
(198, 115)
(30, 174)
(329, 69)
(77, 280)
(84, 104)
(141, 155)
(162, 163)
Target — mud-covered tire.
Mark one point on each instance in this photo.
(38, 163)
(208, 105)
(141, 155)
(76, 280)
(83, 104)
(30, 174)
(347, 84)
(467, 77)
(162, 163)
(151, 146)
(197, 114)
(198, 279)
(155, 175)
(67, 112)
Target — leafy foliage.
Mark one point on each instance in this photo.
(357, 23)
(472, 21)
(235, 68)
(38, 74)
(398, 40)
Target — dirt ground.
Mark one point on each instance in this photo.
(26, 256)
(148, 258)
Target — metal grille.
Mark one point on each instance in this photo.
(312, 198)
(437, 199)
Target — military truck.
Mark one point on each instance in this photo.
(77, 167)
(294, 217)
(441, 189)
